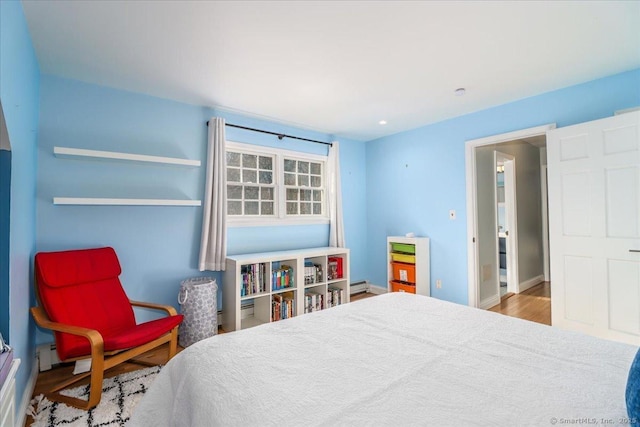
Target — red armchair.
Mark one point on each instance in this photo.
(82, 300)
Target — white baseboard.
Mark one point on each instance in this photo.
(378, 290)
(531, 282)
(489, 302)
(21, 412)
(365, 286)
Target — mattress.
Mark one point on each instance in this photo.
(394, 359)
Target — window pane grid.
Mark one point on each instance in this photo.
(303, 182)
(252, 188)
(250, 185)
(251, 200)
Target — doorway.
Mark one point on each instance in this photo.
(525, 241)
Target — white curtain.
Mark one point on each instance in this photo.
(213, 245)
(336, 226)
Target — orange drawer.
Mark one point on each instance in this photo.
(404, 272)
(402, 287)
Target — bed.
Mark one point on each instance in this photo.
(394, 359)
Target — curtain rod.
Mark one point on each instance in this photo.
(279, 135)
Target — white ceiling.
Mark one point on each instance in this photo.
(337, 67)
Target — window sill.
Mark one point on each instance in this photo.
(275, 222)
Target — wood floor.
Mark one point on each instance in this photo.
(534, 304)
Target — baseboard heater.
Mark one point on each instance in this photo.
(47, 356)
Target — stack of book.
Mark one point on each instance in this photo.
(253, 279)
(313, 301)
(282, 277)
(335, 296)
(312, 273)
(282, 306)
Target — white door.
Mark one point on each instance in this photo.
(594, 227)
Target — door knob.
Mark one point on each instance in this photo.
(634, 250)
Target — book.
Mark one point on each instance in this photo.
(334, 268)
(335, 296)
(253, 279)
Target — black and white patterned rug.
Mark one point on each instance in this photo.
(120, 395)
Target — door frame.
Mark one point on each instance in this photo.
(511, 222)
(472, 202)
(545, 221)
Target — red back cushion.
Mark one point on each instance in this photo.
(81, 288)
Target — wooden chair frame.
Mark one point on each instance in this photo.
(101, 360)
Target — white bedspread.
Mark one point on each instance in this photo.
(395, 359)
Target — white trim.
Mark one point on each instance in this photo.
(280, 216)
(268, 222)
(123, 202)
(67, 152)
(472, 208)
(530, 283)
(511, 222)
(626, 110)
(545, 221)
(489, 302)
(21, 413)
(4, 133)
(470, 161)
(378, 290)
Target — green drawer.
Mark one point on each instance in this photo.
(403, 247)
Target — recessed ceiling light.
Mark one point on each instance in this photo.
(460, 91)
(382, 122)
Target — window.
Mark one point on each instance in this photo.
(303, 183)
(267, 185)
(250, 184)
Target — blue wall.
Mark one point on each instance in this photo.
(415, 177)
(158, 246)
(393, 185)
(19, 93)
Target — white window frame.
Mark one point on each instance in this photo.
(280, 216)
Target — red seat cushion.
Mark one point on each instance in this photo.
(123, 339)
(82, 288)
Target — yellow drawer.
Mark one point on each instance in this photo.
(403, 258)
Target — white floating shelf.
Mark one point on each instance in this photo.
(124, 202)
(66, 152)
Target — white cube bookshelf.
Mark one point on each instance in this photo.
(253, 278)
